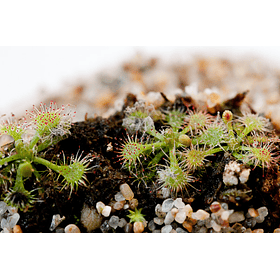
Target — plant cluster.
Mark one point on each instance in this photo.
(21, 143)
(188, 139)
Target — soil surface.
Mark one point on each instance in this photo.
(95, 135)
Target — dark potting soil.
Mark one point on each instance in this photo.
(95, 135)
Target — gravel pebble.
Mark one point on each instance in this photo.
(166, 229)
(138, 227)
(179, 203)
(106, 211)
(180, 230)
(200, 215)
(122, 222)
(71, 228)
(236, 217)
(169, 218)
(100, 206)
(158, 221)
(114, 221)
(158, 211)
(167, 205)
(180, 216)
(119, 197)
(152, 225)
(90, 218)
(128, 228)
(126, 191)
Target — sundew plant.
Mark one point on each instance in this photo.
(188, 139)
(21, 143)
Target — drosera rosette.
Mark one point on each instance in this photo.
(138, 220)
(195, 121)
(50, 122)
(174, 174)
(140, 117)
(173, 156)
(47, 126)
(264, 155)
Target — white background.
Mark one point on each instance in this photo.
(25, 71)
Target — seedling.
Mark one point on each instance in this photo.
(187, 141)
(42, 128)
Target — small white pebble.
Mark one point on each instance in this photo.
(122, 222)
(126, 206)
(152, 225)
(100, 206)
(200, 215)
(158, 211)
(215, 226)
(169, 218)
(158, 221)
(180, 230)
(263, 212)
(244, 175)
(166, 229)
(225, 214)
(13, 219)
(180, 217)
(179, 203)
(106, 211)
(119, 197)
(114, 221)
(167, 205)
(188, 209)
(3, 207)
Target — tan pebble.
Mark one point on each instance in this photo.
(133, 203)
(119, 205)
(277, 230)
(17, 229)
(138, 227)
(126, 191)
(173, 231)
(253, 212)
(258, 230)
(71, 228)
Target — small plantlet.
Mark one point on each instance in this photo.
(47, 126)
(136, 216)
(188, 139)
